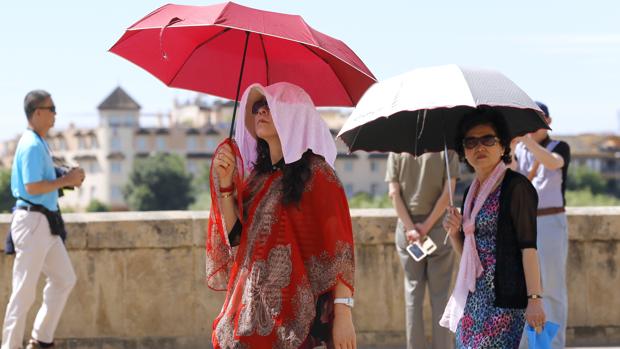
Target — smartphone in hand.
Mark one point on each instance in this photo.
(419, 250)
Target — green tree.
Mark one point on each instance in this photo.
(202, 190)
(97, 206)
(584, 197)
(582, 177)
(159, 182)
(364, 200)
(6, 198)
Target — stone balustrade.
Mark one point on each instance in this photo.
(141, 280)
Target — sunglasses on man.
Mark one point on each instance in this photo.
(487, 141)
(51, 108)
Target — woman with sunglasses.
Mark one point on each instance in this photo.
(289, 281)
(498, 285)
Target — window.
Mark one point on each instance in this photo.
(348, 188)
(93, 166)
(81, 143)
(62, 144)
(115, 143)
(94, 144)
(161, 143)
(374, 188)
(348, 165)
(116, 166)
(373, 166)
(141, 143)
(211, 145)
(117, 193)
(192, 143)
(192, 167)
(130, 121)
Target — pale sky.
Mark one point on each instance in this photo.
(565, 53)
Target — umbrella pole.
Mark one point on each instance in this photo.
(449, 184)
(445, 150)
(245, 50)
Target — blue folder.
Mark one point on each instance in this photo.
(543, 339)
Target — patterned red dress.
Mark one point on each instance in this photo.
(289, 258)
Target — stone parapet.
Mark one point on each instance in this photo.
(141, 280)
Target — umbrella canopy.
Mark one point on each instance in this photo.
(204, 49)
(419, 111)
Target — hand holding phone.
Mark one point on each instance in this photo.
(420, 249)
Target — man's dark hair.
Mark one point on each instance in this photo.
(33, 100)
(543, 107)
(484, 116)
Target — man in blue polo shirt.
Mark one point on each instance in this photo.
(38, 249)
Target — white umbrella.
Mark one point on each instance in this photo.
(419, 111)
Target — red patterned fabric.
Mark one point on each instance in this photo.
(288, 256)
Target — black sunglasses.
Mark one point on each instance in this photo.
(52, 108)
(487, 141)
(259, 104)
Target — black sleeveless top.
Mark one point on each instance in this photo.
(516, 230)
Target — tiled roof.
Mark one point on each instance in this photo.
(119, 100)
(591, 143)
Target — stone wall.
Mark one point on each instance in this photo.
(141, 280)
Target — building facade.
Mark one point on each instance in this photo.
(193, 129)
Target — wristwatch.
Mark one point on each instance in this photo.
(349, 302)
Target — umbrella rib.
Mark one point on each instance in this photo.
(330, 67)
(194, 51)
(262, 42)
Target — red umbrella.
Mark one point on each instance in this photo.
(221, 49)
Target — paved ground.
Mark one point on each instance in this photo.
(566, 348)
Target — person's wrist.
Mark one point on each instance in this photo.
(342, 309)
(62, 182)
(226, 182)
(227, 189)
(534, 298)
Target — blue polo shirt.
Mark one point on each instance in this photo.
(33, 163)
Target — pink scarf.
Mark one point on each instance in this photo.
(470, 267)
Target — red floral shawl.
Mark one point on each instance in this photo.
(288, 256)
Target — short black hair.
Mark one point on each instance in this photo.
(33, 100)
(484, 116)
(544, 108)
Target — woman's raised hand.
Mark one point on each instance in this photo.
(225, 164)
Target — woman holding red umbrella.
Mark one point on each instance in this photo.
(289, 280)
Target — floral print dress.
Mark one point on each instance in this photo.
(483, 324)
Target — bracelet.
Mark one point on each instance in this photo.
(534, 296)
(349, 302)
(228, 189)
(225, 195)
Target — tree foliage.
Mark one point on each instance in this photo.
(159, 182)
(97, 206)
(364, 200)
(582, 177)
(6, 198)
